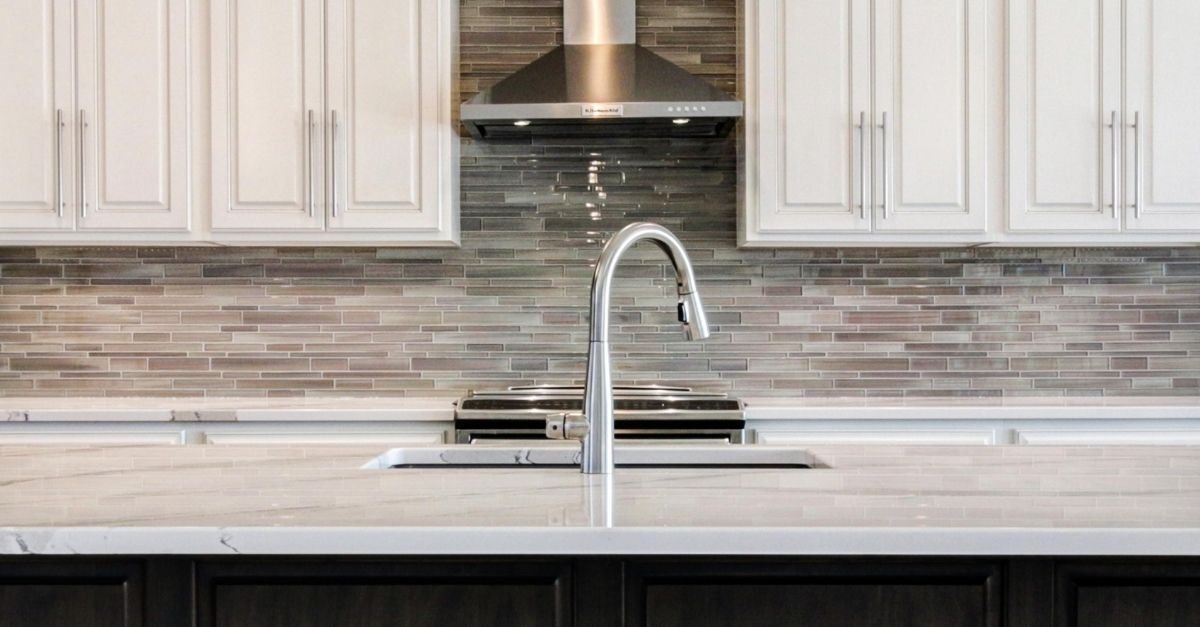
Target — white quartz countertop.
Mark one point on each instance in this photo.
(17, 409)
(932, 500)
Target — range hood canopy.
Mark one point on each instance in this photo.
(600, 83)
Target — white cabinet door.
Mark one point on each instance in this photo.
(382, 439)
(1110, 437)
(1162, 157)
(266, 81)
(931, 89)
(1064, 90)
(899, 437)
(35, 115)
(132, 116)
(90, 437)
(388, 125)
(807, 159)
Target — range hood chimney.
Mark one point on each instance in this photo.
(600, 83)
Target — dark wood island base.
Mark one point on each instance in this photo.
(597, 591)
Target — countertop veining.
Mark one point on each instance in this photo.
(872, 500)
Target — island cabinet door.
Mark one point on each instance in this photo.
(1160, 593)
(803, 594)
(60, 592)
(429, 593)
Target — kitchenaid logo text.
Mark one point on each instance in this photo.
(603, 110)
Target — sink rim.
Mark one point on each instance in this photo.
(568, 455)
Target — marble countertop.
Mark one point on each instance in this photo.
(932, 500)
(18, 409)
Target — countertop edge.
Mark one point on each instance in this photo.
(34, 410)
(760, 541)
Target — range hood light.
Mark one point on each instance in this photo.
(522, 123)
(681, 121)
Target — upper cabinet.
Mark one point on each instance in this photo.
(865, 121)
(1103, 127)
(1064, 115)
(950, 122)
(131, 124)
(94, 120)
(267, 106)
(1161, 111)
(35, 108)
(332, 121)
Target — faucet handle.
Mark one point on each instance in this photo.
(566, 426)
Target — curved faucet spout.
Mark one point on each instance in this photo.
(598, 395)
(691, 309)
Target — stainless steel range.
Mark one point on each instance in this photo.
(656, 413)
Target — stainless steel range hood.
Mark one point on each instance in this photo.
(600, 83)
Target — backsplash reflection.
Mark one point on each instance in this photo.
(509, 308)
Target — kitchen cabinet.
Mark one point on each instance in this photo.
(331, 122)
(166, 436)
(767, 593)
(1161, 136)
(1064, 103)
(75, 593)
(418, 593)
(1111, 437)
(383, 439)
(900, 437)
(865, 121)
(1101, 116)
(969, 431)
(246, 591)
(94, 119)
(35, 109)
(131, 126)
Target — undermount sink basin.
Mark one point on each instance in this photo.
(568, 456)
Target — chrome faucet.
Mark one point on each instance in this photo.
(595, 425)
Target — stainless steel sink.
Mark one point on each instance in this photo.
(558, 455)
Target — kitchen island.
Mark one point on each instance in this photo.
(881, 535)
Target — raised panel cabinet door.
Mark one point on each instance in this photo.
(808, 164)
(267, 115)
(429, 592)
(131, 122)
(1151, 593)
(73, 592)
(390, 153)
(812, 593)
(1162, 115)
(35, 115)
(930, 112)
(1064, 64)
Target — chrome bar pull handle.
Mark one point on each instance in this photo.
(1116, 190)
(83, 126)
(61, 201)
(862, 164)
(312, 183)
(1138, 186)
(333, 170)
(887, 175)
